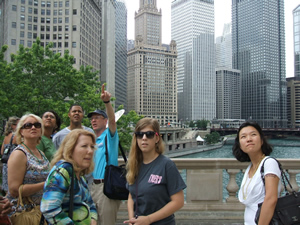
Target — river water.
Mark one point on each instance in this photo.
(282, 148)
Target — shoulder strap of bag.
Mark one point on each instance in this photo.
(70, 214)
(283, 175)
(121, 148)
(71, 195)
(11, 139)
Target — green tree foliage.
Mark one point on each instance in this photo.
(212, 138)
(38, 80)
(126, 125)
(202, 124)
(192, 124)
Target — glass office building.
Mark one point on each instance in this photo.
(296, 16)
(258, 45)
(192, 27)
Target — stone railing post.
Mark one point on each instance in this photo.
(232, 186)
(293, 181)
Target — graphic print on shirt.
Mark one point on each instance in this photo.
(154, 179)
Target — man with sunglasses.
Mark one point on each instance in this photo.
(76, 115)
(107, 208)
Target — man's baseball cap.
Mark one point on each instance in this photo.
(99, 112)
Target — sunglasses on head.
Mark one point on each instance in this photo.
(149, 134)
(29, 125)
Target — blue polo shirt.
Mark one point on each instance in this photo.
(99, 155)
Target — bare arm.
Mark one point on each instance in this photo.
(177, 201)
(268, 206)
(105, 96)
(16, 176)
(130, 207)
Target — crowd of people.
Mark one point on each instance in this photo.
(62, 171)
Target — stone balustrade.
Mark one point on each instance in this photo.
(205, 184)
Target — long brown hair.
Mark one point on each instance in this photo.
(135, 155)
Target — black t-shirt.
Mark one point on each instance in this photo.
(157, 182)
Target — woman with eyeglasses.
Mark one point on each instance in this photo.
(10, 128)
(154, 183)
(51, 122)
(27, 165)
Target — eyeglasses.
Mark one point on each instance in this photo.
(29, 125)
(149, 134)
(96, 118)
(49, 116)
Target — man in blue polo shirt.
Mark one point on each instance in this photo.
(107, 208)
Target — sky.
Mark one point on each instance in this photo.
(222, 15)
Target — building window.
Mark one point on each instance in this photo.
(43, 4)
(60, 12)
(22, 26)
(43, 11)
(29, 18)
(48, 12)
(66, 36)
(66, 27)
(74, 11)
(34, 35)
(48, 4)
(74, 44)
(35, 11)
(54, 28)
(42, 28)
(14, 25)
(67, 20)
(67, 3)
(59, 44)
(42, 19)
(35, 27)
(59, 28)
(60, 4)
(22, 17)
(48, 20)
(74, 27)
(29, 35)
(29, 2)
(59, 20)
(54, 36)
(35, 3)
(59, 36)
(30, 10)
(35, 19)
(14, 8)
(29, 26)
(54, 20)
(55, 12)
(29, 44)
(22, 42)
(22, 9)
(66, 44)
(55, 4)
(42, 36)
(22, 34)
(67, 12)
(47, 36)
(48, 28)
(13, 42)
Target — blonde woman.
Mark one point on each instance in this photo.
(73, 158)
(27, 165)
(154, 183)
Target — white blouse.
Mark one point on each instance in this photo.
(252, 190)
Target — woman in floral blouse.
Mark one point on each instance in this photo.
(74, 155)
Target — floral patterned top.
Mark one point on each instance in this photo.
(55, 201)
(36, 172)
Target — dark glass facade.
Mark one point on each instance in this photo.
(258, 47)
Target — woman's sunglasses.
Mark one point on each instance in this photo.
(149, 134)
(29, 125)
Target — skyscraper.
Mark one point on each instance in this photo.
(224, 48)
(258, 45)
(296, 17)
(192, 27)
(152, 68)
(71, 25)
(121, 54)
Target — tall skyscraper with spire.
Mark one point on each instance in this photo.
(192, 27)
(152, 68)
(258, 45)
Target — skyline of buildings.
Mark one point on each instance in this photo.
(95, 33)
(296, 29)
(194, 35)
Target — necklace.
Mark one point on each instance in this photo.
(39, 160)
(245, 192)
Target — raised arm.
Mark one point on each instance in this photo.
(105, 96)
